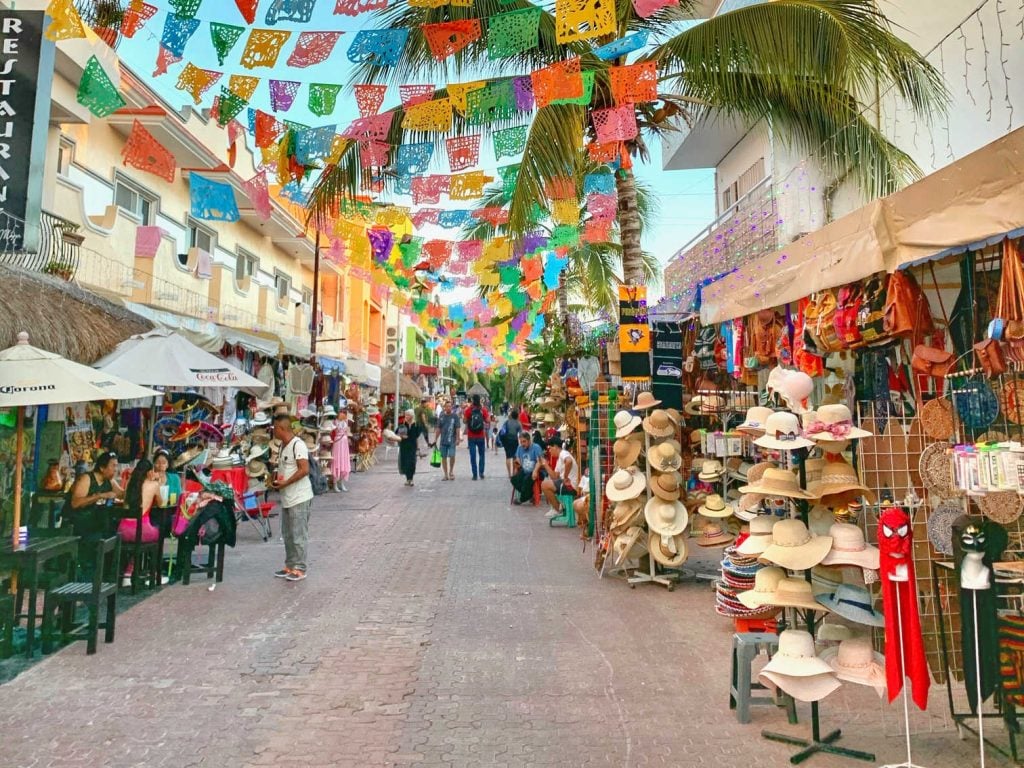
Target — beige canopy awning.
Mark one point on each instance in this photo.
(975, 201)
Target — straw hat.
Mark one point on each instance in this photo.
(644, 401)
(714, 534)
(257, 452)
(629, 546)
(670, 551)
(666, 518)
(261, 419)
(782, 433)
(813, 469)
(753, 423)
(757, 471)
(748, 508)
(711, 469)
(667, 486)
(849, 548)
(795, 656)
(626, 422)
(255, 469)
(777, 482)
(626, 514)
(760, 536)
(794, 547)
(805, 689)
(675, 415)
(765, 582)
(714, 506)
(674, 443)
(832, 423)
(855, 661)
(309, 440)
(795, 592)
(820, 520)
(839, 477)
(658, 424)
(664, 458)
(260, 436)
(625, 484)
(186, 457)
(701, 405)
(853, 602)
(626, 452)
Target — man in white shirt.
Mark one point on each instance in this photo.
(292, 481)
(563, 480)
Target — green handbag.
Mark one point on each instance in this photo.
(435, 458)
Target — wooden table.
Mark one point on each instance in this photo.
(28, 560)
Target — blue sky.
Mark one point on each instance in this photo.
(686, 198)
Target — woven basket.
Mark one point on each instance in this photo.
(940, 525)
(1011, 401)
(936, 466)
(1004, 507)
(937, 419)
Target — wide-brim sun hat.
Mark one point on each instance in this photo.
(626, 452)
(658, 424)
(838, 477)
(629, 545)
(645, 400)
(850, 548)
(794, 547)
(664, 458)
(820, 520)
(675, 415)
(255, 469)
(626, 423)
(666, 518)
(853, 602)
(625, 484)
(626, 514)
(832, 423)
(667, 486)
(748, 508)
(805, 688)
(704, 405)
(257, 452)
(670, 551)
(777, 482)
(759, 537)
(796, 656)
(714, 506)
(765, 582)
(753, 423)
(855, 661)
(782, 433)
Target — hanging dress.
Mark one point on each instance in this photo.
(341, 464)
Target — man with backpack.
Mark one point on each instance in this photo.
(292, 481)
(477, 419)
(508, 437)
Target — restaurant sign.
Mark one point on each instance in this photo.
(26, 78)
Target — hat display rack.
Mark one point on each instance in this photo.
(601, 438)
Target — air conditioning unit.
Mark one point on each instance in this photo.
(391, 333)
(391, 348)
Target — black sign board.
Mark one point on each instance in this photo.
(26, 78)
(667, 352)
(634, 334)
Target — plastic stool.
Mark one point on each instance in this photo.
(568, 516)
(745, 647)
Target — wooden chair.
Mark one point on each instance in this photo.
(144, 555)
(103, 586)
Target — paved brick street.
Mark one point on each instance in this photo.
(438, 627)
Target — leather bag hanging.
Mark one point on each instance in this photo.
(848, 304)
(1010, 305)
(907, 313)
(932, 362)
(871, 316)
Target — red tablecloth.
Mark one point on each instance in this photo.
(235, 477)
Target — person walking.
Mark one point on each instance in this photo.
(292, 482)
(477, 418)
(409, 434)
(448, 437)
(508, 436)
(424, 418)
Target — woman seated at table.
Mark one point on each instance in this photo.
(92, 496)
(140, 496)
(162, 465)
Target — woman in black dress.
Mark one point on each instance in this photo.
(408, 433)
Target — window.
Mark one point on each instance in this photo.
(65, 156)
(245, 266)
(133, 200)
(200, 237)
(307, 297)
(283, 284)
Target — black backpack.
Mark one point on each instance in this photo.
(476, 420)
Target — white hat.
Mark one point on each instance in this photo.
(625, 484)
(794, 547)
(306, 413)
(261, 419)
(765, 582)
(760, 536)
(329, 411)
(782, 433)
(796, 657)
(850, 548)
(629, 545)
(855, 661)
(711, 469)
(753, 423)
(794, 387)
(833, 423)
(748, 507)
(714, 506)
(802, 688)
(625, 423)
(666, 518)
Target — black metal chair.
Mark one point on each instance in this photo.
(66, 598)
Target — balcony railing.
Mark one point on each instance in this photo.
(745, 231)
(59, 245)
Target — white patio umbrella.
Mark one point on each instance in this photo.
(31, 376)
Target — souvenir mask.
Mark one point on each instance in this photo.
(894, 540)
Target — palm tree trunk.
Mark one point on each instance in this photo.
(563, 307)
(629, 227)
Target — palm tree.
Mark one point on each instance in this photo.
(805, 66)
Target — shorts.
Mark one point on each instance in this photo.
(562, 488)
(510, 450)
(447, 451)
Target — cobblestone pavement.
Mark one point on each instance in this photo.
(438, 627)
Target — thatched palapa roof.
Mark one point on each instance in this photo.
(408, 387)
(61, 317)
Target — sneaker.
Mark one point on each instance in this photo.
(283, 573)
(552, 513)
(482, 477)
(296, 575)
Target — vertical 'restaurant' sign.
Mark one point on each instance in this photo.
(26, 76)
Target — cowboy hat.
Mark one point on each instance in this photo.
(670, 551)
(714, 506)
(701, 405)
(853, 602)
(760, 536)
(795, 548)
(838, 477)
(626, 452)
(675, 415)
(658, 424)
(753, 423)
(666, 518)
(626, 514)
(833, 423)
(782, 433)
(714, 534)
(625, 422)
(255, 469)
(645, 400)
(711, 470)
(625, 484)
(855, 661)
(629, 546)
(748, 508)
(667, 486)
(849, 548)
(765, 582)
(777, 482)
(664, 458)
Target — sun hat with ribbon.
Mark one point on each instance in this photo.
(715, 506)
(850, 548)
(664, 458)
(748, 507)
(710, 470)
(777, 482)
(838, 477)
(645, 400)
(714, 534)
(796, 656)
(855, 661)
(853, 602)
(782, 433)
(658, 424)
(626, 422)
(760, 536)
(629, 545)
(795, 548)
(625, 484)
(667, 486)
(626, 514)
(626, 452)
(670, 551)
(666, 518)
(765, 582)
(754, 422)
(833, 423)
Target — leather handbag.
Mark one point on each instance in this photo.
(989, 354)
(1010, 305)
(929, 361)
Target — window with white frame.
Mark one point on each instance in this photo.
(246, 266)
(135, 200)
(283, 284)
(65, 156)
(198, 237)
